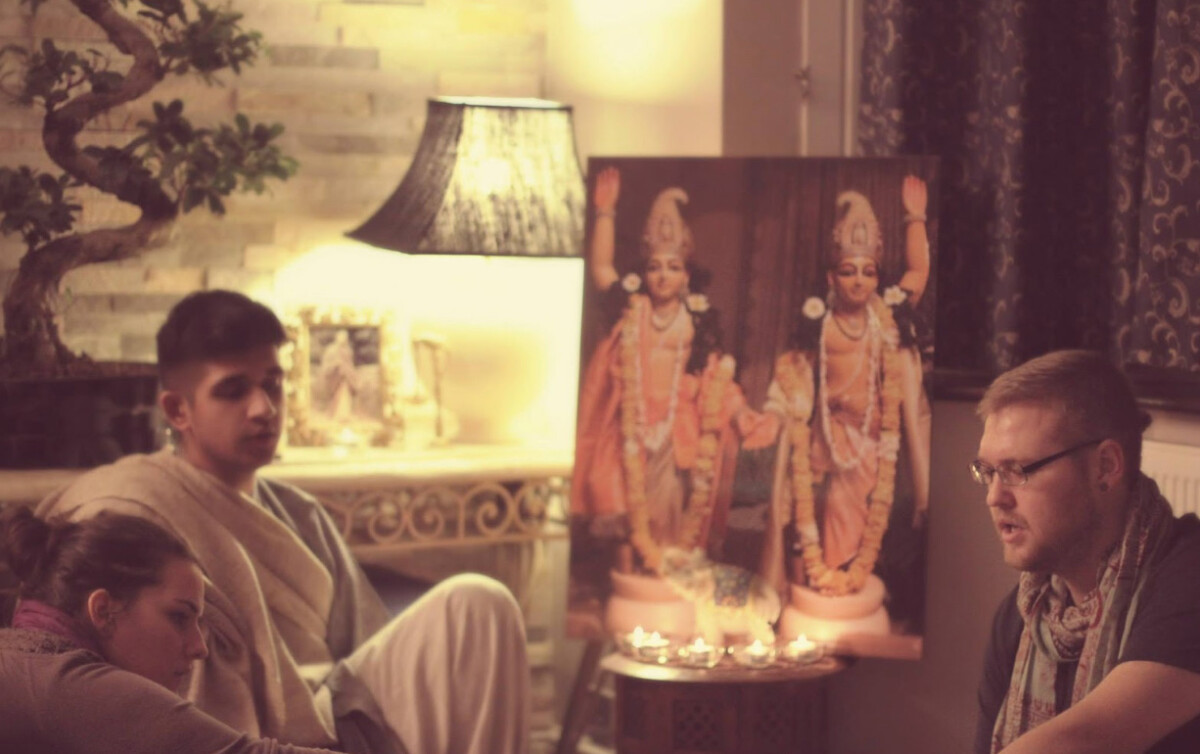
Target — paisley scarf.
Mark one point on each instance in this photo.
(1090, 633)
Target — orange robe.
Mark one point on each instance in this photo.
(849, 489)
(598, 487)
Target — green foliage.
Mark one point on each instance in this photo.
(35, 204)
(202, 165)
(213, 42)
(193, 166)
(51, 74)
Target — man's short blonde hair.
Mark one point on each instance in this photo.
(1095, 396)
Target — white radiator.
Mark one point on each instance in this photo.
(1176, 469)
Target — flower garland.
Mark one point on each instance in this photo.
(835, 581)
(712, 391)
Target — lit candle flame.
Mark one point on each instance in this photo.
(803, 643)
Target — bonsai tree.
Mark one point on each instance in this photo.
(168, 167)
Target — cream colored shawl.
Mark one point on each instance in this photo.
(268, 616)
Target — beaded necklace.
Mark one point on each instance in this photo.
(874, 341)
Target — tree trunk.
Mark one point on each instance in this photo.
(32, 345)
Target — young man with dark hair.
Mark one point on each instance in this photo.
(1098, 647)
(301, 648)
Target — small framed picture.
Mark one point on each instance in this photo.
(343, 365)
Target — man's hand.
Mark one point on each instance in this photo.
(1134, 707)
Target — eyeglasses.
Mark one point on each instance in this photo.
(1013, 474)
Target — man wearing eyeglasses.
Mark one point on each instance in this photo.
(1098, 647)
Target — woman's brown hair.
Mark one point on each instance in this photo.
(61, 562)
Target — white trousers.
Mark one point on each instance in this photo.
(450, 672)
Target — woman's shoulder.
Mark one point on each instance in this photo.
(67, 674)
(43, 666)
(55, 696)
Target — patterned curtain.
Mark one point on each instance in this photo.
(1069, 132)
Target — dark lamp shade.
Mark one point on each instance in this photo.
(490, 176)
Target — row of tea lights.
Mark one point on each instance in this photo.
(653, 647)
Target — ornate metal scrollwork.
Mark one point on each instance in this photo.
(434, 514)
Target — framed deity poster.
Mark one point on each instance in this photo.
(752, 456)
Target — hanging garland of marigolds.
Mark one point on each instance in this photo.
(836, 581)
(713, 384)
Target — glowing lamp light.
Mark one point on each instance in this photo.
(492, 177)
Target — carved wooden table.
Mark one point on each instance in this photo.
(729, 709)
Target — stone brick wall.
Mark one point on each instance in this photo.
(349, 81)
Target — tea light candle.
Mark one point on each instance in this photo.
(655, 648)
(649, 647)
(700, 654)
(756, 655)
(802, 649)
(631, 643)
